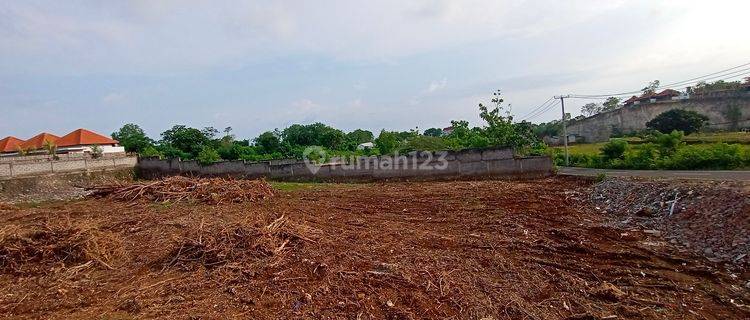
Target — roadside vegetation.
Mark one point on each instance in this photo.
(657, 150)
(208, 145)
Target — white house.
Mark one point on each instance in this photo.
(366, 145)
(82, 140)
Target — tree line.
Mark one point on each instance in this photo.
(209, 145)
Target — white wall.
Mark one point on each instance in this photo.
(82, 149)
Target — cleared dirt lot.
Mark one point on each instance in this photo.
(533, 249)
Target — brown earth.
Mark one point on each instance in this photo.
(533, 249)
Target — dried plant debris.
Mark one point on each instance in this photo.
(178, 188)
(534, 249)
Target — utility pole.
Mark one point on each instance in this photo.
(565, 130)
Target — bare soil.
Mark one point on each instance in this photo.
(534, 249)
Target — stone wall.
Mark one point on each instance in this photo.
(633, 118)
(416, 166)
(14, 167)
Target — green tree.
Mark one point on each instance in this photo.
(433, 132)
(132, 138)
(548, 129)
(424, 143)
(150, 151)
(208, 155)
(614, 149)
(186, 140)
(590, 109)
(387, 142)
(502, 131)
(611, 103)
(316, 134)
(269, 142)
(677, 119)
(356, 137)
(651, 87)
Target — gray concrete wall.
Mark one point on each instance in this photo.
(429, 165)
(13, 167)
(633, 118)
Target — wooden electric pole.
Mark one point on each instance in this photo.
(565, 130)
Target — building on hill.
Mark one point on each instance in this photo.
(10, 145)
(82, 141)
(665, 95)
(637, 111)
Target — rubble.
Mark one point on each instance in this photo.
(708, 218)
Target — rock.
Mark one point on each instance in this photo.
(652, 232)
(708, 252)
(389, 303)
(609, 291)
(747, 285)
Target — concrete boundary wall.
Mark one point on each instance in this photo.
(35, 167)
(630, 119)
(475, 163)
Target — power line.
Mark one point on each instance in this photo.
(540, 111)
(543, 111)
(537, 108)
(674, 84)
(731, 75)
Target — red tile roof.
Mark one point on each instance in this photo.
(631, 100)
(667, 93)
(83, 137)
(10, 144)
(37, 142)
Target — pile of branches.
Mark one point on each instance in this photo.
(239, 245)
(57, 243)
(178, 188)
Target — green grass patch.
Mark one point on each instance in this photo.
(727, 137)
(292, 186)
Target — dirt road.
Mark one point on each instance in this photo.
(467, 250)
(725, 175)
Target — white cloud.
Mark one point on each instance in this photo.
(113, 98)
(174, 36)
(437, 85)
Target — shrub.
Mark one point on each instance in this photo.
(208, 155)
(714, 156)
(424, 143)
(96, 151)
(668, 143)
(150, 151)
(614, 149)
(643, 157)
(677, 119)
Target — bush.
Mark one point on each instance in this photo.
(643, 157)
(424, 143)
(208, 155)
(668, 143)
(150, 151)
(96, 151)
(714, 156)
(615, 149)
(677, 119)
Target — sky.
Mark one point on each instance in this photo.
(394, 65)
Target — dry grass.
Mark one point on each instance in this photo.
(57, 243)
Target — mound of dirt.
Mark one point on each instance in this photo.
(178, 188)
(37, 250)
(708, 218)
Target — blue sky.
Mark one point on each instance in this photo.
(260, 65)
